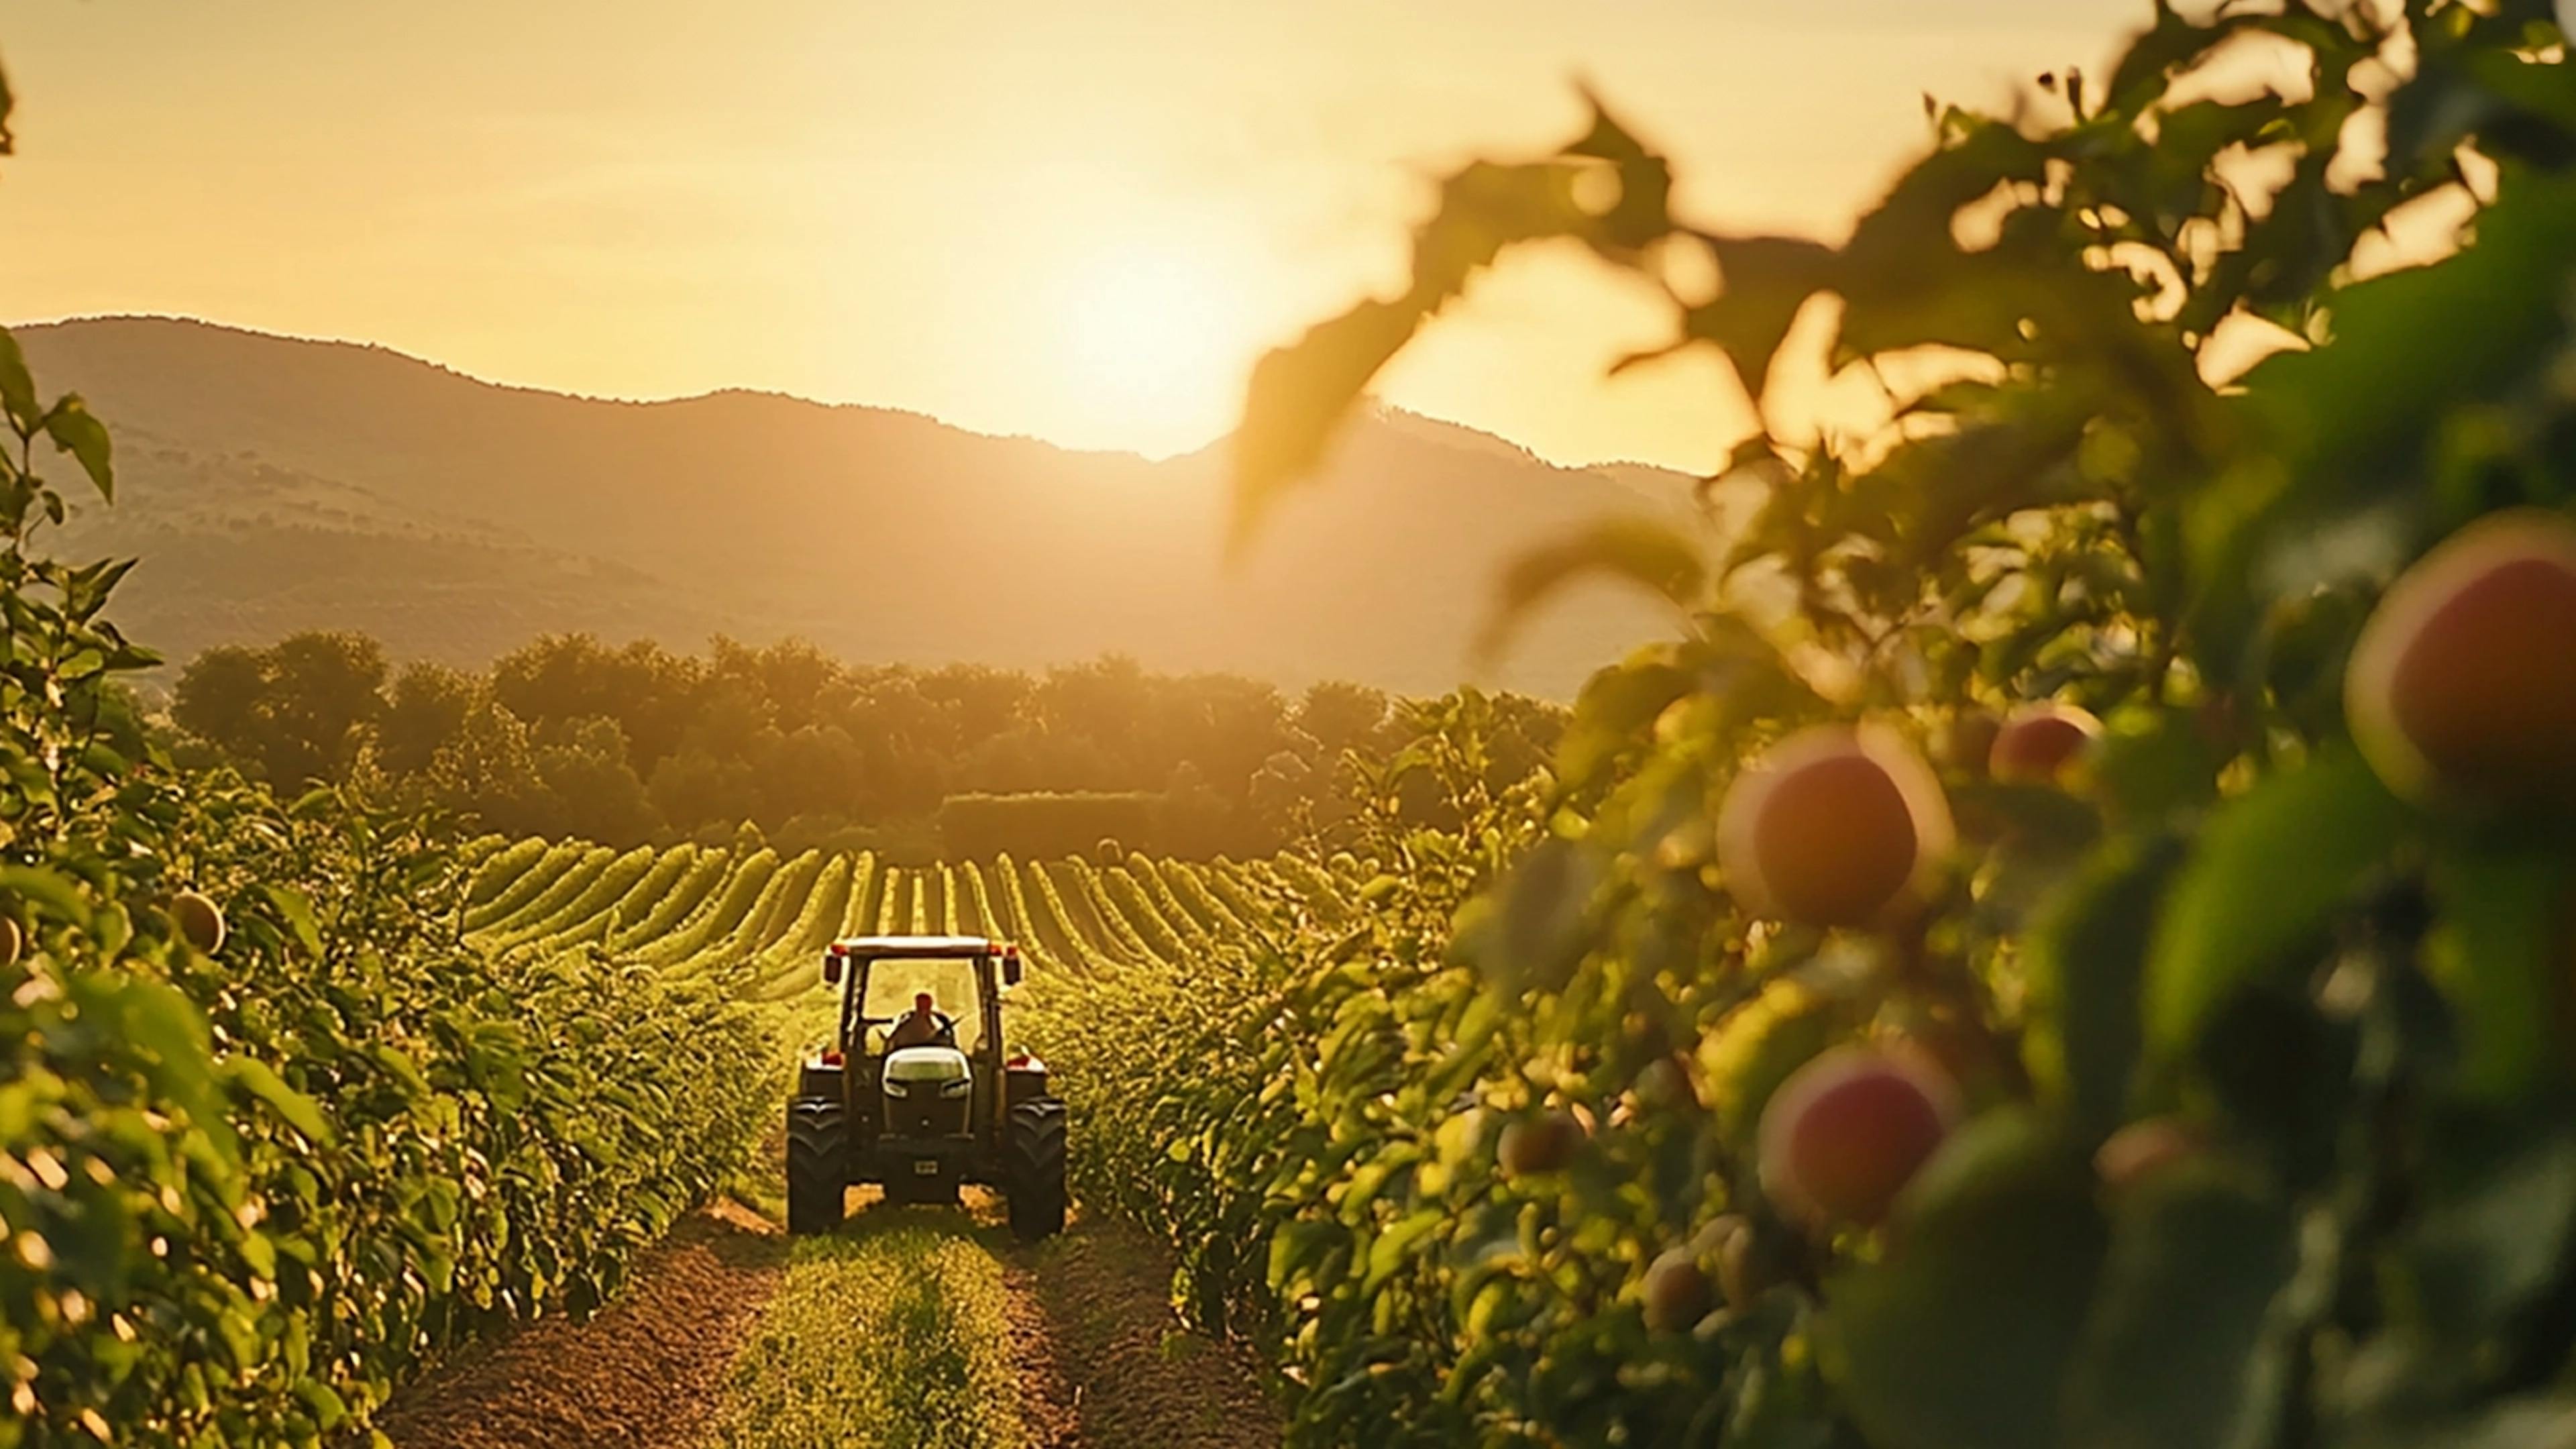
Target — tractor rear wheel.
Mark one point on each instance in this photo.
(818, 1155)
(1033, 1169)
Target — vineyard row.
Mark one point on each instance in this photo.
(695, 909)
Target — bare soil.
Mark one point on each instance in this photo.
(642, 1374)
(1102, 1360)
(1098, 1317)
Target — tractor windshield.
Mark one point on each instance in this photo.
(893, 983)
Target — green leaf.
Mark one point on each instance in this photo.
(17, 386)
(2182, 1348)
(1390, 1251)
(1642, 551)
(297, 1110)
(155, 1016)
(53, 893)
(1615, 710)
(1768, 280)
(2087, 958)
(1301, 392)
(1963, 1337)
(75, 432)
(2495, 956)
(2493, 1235)
(1537, 935)
(329, 1410)
(297, 911)
(1297, 1246)
(2270, 871)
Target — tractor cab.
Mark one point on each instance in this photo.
(907, 1095)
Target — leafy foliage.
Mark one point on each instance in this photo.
(242, 1193)
(2347, 1005)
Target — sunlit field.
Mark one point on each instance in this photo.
(1843, 726)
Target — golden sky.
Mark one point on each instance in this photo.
(1078, 219)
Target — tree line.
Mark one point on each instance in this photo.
(635, 744)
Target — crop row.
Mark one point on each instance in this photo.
(744, 910)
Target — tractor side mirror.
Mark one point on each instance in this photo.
(831, 968)
(1011, 969)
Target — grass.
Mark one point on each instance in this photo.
(891, 1334)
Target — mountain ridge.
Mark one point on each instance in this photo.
(271, 483)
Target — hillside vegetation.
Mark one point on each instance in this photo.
(276, 485)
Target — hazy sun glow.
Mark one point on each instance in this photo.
(1078, 222)
(1154, 344)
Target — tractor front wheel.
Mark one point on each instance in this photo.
(1033, 1162)
(818, 1155)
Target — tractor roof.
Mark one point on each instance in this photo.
(880, 948)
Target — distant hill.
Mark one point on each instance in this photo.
(272, 484)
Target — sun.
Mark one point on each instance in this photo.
(1154, 345)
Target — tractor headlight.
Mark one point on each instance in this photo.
(894, 1089)
(957, 1088)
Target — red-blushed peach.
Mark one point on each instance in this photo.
(1832, 826)
(200, 920)
(1845, 1133)
(2462, 684)
(1544, 1143)
(2040, 742)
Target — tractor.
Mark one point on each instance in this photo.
(919, 1101)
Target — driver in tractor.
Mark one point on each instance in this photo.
(923, 1026)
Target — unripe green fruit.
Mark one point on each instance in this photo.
(1678, 1294)
(2140, 1149)
(1832, 826)
(1845, 1133)
(2040, 742)
(201, 921)
(2462, 685)
(1544, 1143)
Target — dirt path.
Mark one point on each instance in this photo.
(643, 1374)
(910, 1329)
(1097, 1308)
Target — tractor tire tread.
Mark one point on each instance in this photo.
(1033, 1153)
(818, 1140)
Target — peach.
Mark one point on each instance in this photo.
(1845, 1133)
(201, 921)
(1678, 1293)
(2039, 742)
(2462, 684)
(1544, 1143)
(1832, 826)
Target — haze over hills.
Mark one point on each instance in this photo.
(272, 484)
